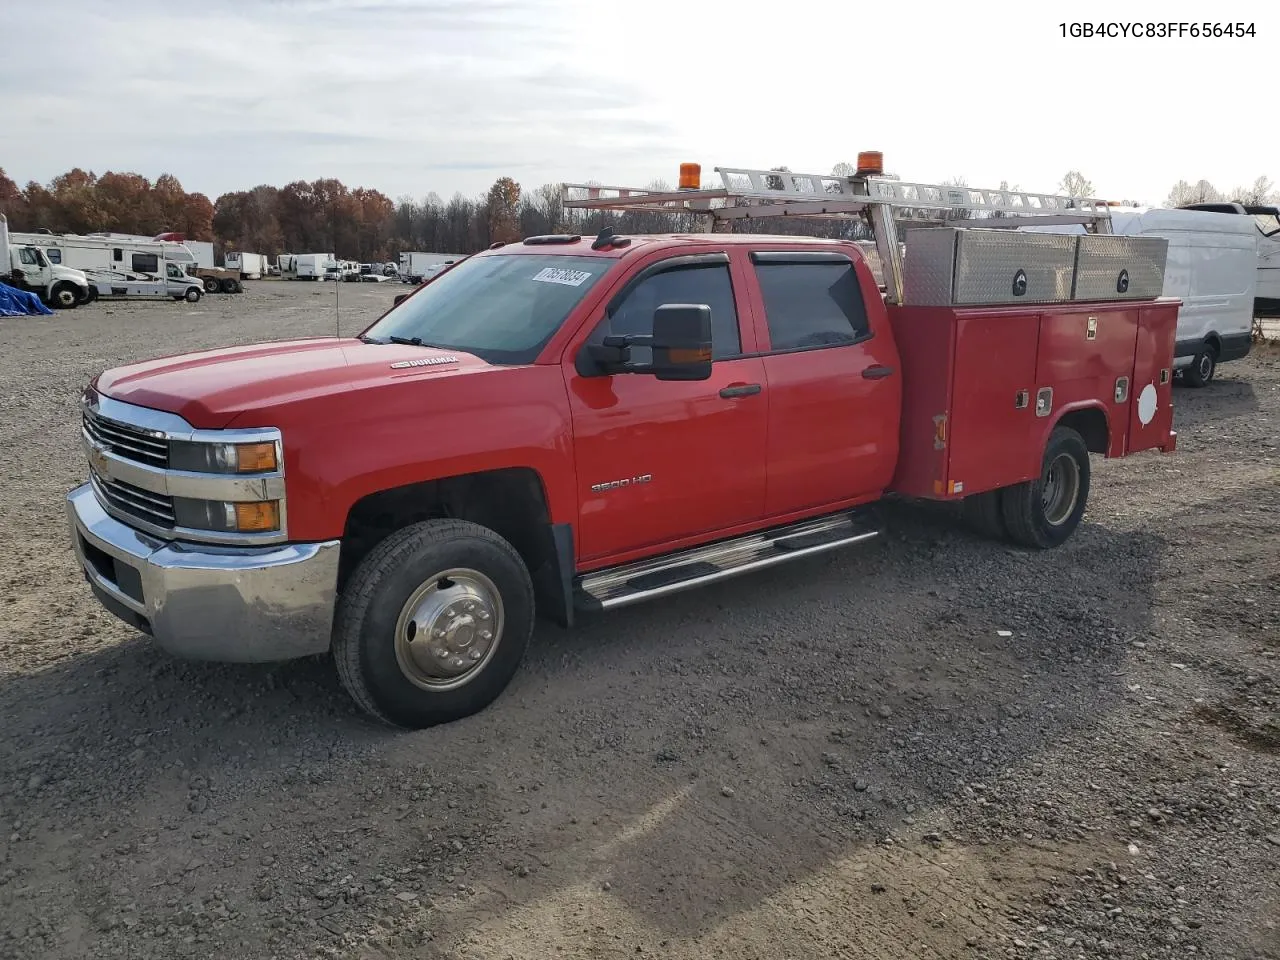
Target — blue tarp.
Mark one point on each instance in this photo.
(20, 303)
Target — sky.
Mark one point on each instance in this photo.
(417, 96)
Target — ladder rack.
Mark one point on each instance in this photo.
(748, 194)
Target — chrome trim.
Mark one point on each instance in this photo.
(222, 487)
(769, 561)
(232, 487)
(242, 605)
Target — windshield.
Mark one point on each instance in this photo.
(503, 309)
(1268, 223)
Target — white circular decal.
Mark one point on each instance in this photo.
(1147, 404)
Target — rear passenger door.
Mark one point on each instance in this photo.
(834, 386)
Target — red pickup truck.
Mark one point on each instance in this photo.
(562, 424)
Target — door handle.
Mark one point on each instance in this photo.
(877, 373)
(740, 390)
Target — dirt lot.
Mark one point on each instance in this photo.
(935, 747)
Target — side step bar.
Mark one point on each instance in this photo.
(646, 579)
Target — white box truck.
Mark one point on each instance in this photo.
(26, 267)
(311, 266)
(416, 267)
(250, 265)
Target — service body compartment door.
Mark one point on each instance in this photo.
(1151, 412)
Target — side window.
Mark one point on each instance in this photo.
(54, 254)
(812, 304)
(146, 263)
(117, 255)
(27, 256)
(709, 284)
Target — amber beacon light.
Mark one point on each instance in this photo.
(870, 163)
(690, 176)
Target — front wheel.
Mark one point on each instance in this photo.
(193, 295)
(433, 623)
(1043, 513)
(65, 296)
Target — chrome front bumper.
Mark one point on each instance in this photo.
(231, 604)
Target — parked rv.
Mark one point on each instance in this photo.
(1212, 268)
(119, 267)
(250, 265)
(26, 267)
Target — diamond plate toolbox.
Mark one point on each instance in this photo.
(955, 266)
(1109, 267)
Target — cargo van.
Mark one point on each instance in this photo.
(1266, 301)
(1212, 268)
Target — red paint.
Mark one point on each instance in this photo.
(818, 436)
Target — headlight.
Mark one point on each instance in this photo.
(223, 517)
(222, 457)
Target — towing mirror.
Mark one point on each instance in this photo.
(682, 342)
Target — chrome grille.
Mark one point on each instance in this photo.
(153, 508)
(127, 441)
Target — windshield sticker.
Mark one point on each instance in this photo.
(570, 278)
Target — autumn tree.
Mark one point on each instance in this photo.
(12, 203)
(503, 209)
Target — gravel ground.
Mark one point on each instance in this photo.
(934, 747)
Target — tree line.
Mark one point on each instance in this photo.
(365, 225)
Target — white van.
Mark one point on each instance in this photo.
(1212, 268)
(1266, 301)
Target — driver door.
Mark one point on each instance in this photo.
(662, 461)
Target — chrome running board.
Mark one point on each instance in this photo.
(646, 579)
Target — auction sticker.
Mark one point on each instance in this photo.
(570, 278)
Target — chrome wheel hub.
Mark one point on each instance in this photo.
(1060, 489)
(449, 629)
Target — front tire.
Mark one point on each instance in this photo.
(193, 295)
(433, 623)
(1043, 513)
(65, 296)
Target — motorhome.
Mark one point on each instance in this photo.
(1266, 301)
(117, 267)
(1212, 268)
(251, 265)
(26, 267)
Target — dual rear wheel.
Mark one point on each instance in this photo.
(1044, 512)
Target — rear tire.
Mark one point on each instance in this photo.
(210, 284)
(1203, 366)
(229, 285)
(982, 512)
(1043, 513)
(410, 638)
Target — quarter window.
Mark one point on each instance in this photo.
(812, 304)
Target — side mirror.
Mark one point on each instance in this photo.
(400, 298)
(682, 342)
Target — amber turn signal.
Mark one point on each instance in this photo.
(255, 457)
(258, 517)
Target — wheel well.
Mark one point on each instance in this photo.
(510, 502)
(1213, 341)
(1091, 424)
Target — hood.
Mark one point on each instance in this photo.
(67, 273)
(211, 388)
